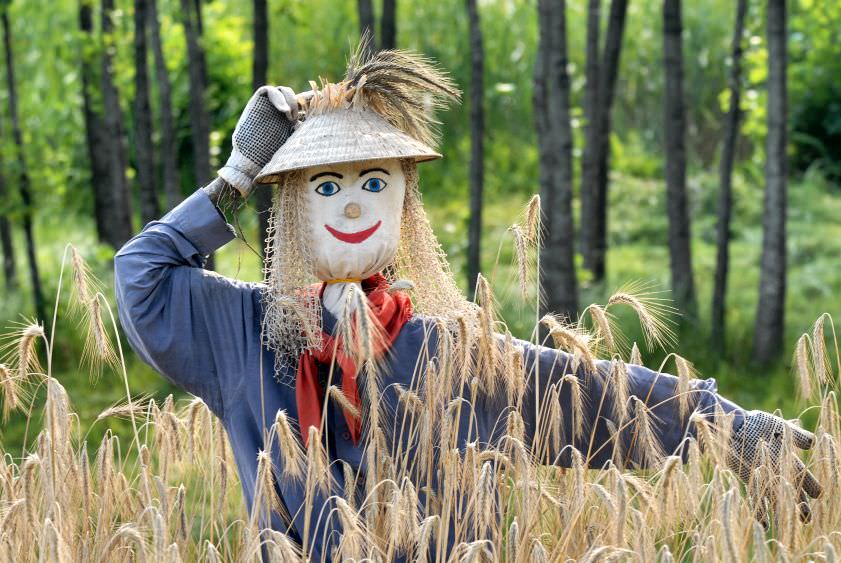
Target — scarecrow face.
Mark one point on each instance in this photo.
(354, 213)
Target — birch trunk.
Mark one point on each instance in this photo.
(677, 202)
(263, 194)
(770, 317)
(477, 134)
(117, 211)
(388, 25)
(169, 165)
(6, 243)
(725, 194)
(592, 111)
(143, 152)
(551, 110)
(23, 178)
(607, 89)
(365, 9)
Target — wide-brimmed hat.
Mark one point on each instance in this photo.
(345, 135)
(385, 108)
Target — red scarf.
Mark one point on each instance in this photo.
(390, 311)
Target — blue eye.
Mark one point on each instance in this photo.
(328, 188)
(374, 185)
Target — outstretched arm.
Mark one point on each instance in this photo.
(611, 410)
(633, 416)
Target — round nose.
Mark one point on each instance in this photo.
(353, 211)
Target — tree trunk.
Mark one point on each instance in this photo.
(770, 317)
(592, 110)
(263, 194)
(725, 195)
(388, 25)
(199, 121)
(169, 164)
(607, 90)
(477, 134)
(677, 204)
(367, 36)
(111, 224)
(551, 111)
(199, 27)
(143, 152)
(118, 210)
(6, 245)
(23, 178)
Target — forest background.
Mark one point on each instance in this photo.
(309, 39)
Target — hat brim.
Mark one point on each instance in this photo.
(339, 137)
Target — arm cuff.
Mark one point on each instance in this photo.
(201, 223)
(710, 398)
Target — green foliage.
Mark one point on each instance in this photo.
(312, 38)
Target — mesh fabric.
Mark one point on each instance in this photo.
(261, 132)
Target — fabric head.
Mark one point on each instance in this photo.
(354, 214)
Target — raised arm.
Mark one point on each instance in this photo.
(186, 322)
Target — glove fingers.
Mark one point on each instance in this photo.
(275, 96)
(805, 509)
(803, 439)
(290, 102)
(806, 480)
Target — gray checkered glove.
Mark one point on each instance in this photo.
(265, 124)
(757, 456)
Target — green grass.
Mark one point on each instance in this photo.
(638, 252)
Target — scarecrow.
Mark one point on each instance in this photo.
(359, 322)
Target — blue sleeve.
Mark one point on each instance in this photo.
(189, 324)
(602, 421)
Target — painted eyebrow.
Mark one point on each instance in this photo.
(320, 174)
(367, 170)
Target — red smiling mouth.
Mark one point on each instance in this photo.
(353, 238)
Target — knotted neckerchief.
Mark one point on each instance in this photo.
(389, 311)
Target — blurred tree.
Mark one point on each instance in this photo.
(6, 244)
(108, 229)
(199, 120)
(169, 165)
(477, 144)
(117, 210)
(263, 195)
(725, 194)
(23, 172)
(551, 114)
(388, 25)
(143, 152)
(592, 108)
(365, 8)
(770, 316)
(677, 204)
(594, 217)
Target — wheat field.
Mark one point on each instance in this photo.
(171, 491)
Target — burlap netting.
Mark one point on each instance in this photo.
(339, 136)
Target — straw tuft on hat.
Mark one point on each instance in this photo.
(384, 108)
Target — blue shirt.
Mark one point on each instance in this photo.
(202, 331)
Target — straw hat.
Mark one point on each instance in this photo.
(344, 135)
(383, 109)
